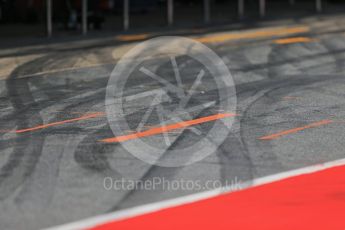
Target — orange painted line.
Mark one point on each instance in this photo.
(295, 130)
(254, 34)
(134, 37)
(292, 40)
(166, 128)
(270, 32)
(89, 116)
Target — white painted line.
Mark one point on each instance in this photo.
(149, 208)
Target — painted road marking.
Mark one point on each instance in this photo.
(89, 116)
(232, 36)
(167, 205)
(167, 128)
(295, 130)
(284, 41)
(133, 37)
(254, 34)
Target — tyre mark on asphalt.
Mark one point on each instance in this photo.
(100, 149)
(332, 45)
(170, 172)
(155, 170)
(30, 181)
(44, 104)
(244, 155)
(89, 153)
(290, 60)
(275, 65)
(93, 155)
(38, 189)
(237, 61)
(260, 153)
(26, 153)
(28, 149)
(278, 63)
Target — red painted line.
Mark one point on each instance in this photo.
(89, 116)
(295, 130)
(166, 128)
(312, 201)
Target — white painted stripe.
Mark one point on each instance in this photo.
(149, 208)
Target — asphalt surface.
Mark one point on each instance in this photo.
(53, 163)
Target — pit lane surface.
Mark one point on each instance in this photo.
(53, 164)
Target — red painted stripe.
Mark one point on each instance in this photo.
(313, 201)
